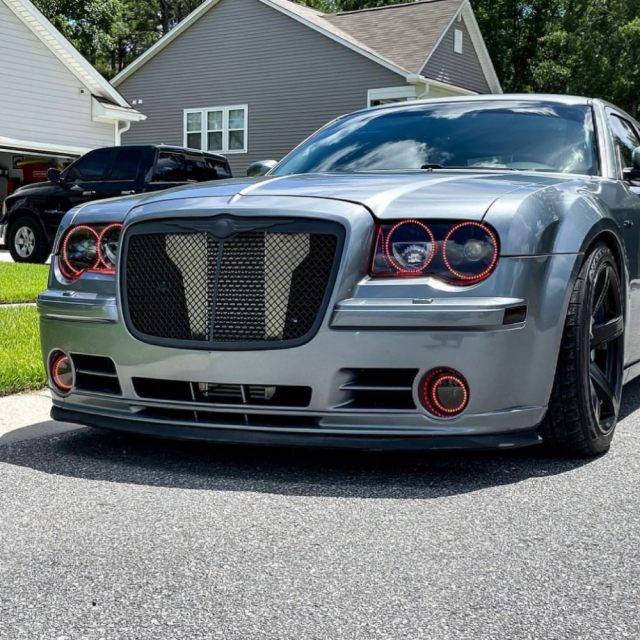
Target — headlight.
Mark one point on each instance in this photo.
(460, 253)
(108, 245)
(92, 248)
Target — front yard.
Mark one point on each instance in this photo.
(21, 367)
(22, 282)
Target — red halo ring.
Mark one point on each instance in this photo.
(100, 256)
(428, 389)
(438, 404)
(488, 270)
(56, 362)
(65, 259)
(388, 253)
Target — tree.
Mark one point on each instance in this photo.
(593, 50)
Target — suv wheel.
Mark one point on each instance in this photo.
(585, 401)
(27, 241)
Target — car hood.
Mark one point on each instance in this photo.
(36, 187)
(458, 194)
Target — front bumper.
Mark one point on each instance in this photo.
(390, 325)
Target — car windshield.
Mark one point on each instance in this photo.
(512, 135)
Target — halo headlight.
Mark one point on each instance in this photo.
(461, 253)
(89, 248)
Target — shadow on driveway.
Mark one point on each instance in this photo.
(111, 457)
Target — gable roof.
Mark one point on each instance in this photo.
(409, 31)
(66, 53)
(399, 37)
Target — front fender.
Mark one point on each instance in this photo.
(562, 218)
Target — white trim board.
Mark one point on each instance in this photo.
(26, 12)
(390, 93)
(27, 146)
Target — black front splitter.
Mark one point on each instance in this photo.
(295, 439)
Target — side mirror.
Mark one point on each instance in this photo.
(53, 175)
(632, 174)
(260, 168)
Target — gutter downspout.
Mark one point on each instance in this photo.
(119, 131)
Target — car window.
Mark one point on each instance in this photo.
(520, 135)
(626, 139)
(126, 164)
(93, 167)
(178, 167)
(216, 169)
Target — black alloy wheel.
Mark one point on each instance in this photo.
(585, 401)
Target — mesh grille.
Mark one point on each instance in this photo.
(269, 286)
(170, 284)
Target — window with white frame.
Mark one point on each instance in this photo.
(217, 129)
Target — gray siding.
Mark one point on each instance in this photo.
(460, 69)
(40, 99)
(293, 78)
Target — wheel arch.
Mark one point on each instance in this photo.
(23, 212)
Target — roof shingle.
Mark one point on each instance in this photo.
(404, 34)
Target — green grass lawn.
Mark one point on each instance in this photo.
(21, 367)
(22, 282)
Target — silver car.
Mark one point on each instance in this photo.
(452, 273)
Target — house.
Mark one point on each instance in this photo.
(54, 105)
(253, 78)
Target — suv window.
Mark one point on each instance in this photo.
(178, 167)
(626, 139)
(93, 167)
(216, 169)
(126, 164)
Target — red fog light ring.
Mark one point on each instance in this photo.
(61, 372)
(470, 279)
(444, 393)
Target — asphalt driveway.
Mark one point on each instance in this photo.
(106, 536)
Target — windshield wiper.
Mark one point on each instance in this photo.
(430, 167)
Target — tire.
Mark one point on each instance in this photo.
(27, 241)
(585, 401)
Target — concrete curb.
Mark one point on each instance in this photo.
(10, 305)
(26, 416)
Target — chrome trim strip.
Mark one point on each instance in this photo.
(436, 313)
(77, 307)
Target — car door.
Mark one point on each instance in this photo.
(125, 176)
(626, 208)
(86, 178)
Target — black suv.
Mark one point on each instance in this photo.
(31, 215)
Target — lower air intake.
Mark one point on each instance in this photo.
(254, 289)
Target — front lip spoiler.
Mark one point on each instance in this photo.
(287, 439)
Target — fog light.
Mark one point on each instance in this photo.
(61, 372)
(444, 393)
